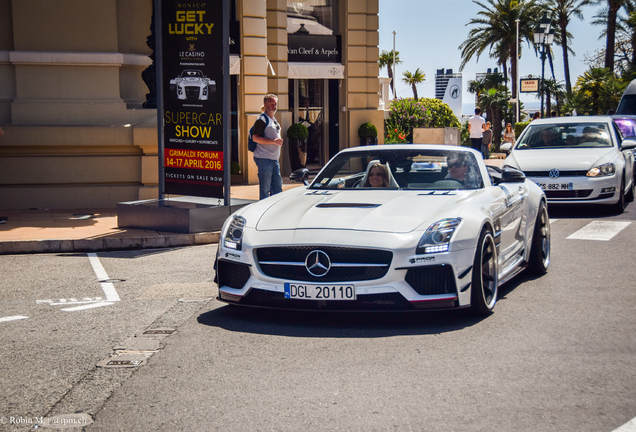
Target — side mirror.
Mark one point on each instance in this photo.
(505, 147)
(628, 144)
(301, 175)
(511, 175)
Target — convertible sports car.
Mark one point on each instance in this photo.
(389, 227)
(192, 85)
(577, 160)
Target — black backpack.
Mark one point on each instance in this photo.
(251, 144)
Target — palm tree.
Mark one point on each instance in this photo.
(386, 59)
(563, 11)
(414, 78)
(552, 89)
(612, 12)
(625, 36)
(593, 82)
(494, 100)
(496, 32)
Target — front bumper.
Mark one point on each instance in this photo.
(412, 282)
(582, 190)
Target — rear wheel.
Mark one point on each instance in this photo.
(485, 275)
(540, 250)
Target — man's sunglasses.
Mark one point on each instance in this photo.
(456, 165)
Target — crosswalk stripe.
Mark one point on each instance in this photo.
(599, 230)
(13, 318)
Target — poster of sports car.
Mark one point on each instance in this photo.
(192, 34)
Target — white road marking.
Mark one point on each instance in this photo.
(87, 306)
(630, 426)
(553, 220)
(13, 318)
(599, 230)
(109, 288)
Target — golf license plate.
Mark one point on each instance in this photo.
(556, 186)
(319, 292)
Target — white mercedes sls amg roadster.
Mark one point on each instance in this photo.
(389, 227)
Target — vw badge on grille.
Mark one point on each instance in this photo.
(554, 173)
(317, 263)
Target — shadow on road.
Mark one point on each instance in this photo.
(584, 211)
(336, 324)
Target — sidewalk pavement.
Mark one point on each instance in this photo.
(53, 231)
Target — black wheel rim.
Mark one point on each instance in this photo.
(544, 236)
(489, 278)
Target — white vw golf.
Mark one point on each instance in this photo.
(390, 227)
(577, 160)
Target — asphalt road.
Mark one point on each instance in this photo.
(558, 354)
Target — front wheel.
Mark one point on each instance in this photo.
(619, 207)
(485, 276)
(540, 250)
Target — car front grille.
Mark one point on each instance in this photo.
(581, 193)
(192, 93)
(368, 302)
(347, 264)
(232, 274)
(432, 280)
(575, 173)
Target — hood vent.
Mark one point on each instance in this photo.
(347, 205)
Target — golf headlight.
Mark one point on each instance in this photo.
(607, 169)
(438, 236)
(233, 233)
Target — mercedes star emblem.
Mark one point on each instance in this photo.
(554, 173)
(317, 263)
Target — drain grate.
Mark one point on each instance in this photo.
(159, 332)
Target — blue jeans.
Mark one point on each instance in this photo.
(269, 180)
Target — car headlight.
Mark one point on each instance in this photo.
(438, 236)
(607, 169)
(233, 233)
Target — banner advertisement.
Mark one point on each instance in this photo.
(453, 96)
(192, 34)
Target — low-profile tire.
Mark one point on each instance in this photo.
(619, 207)
(629, 197)
(540, 249)
(485, 279)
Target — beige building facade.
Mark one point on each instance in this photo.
(72, 94)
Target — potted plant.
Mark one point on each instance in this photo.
(235, 173)
(297, 135)
(368, 134)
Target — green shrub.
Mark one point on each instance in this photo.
(367, 130)
(404, 115)
(235, 168)
(519, 127)
(297, 131)
(439, 114)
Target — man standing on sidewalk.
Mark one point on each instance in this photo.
(476, 126)
(267, 135)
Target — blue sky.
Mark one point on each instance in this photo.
(429, 33)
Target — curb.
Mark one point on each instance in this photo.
(107, 243)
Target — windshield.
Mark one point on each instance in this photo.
(401, 169)
(191, 74)
(565, 135)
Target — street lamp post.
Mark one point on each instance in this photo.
(543, 35)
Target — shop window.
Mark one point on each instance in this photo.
(318, 17)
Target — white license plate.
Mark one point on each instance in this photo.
(556, 186)
(319, 292)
